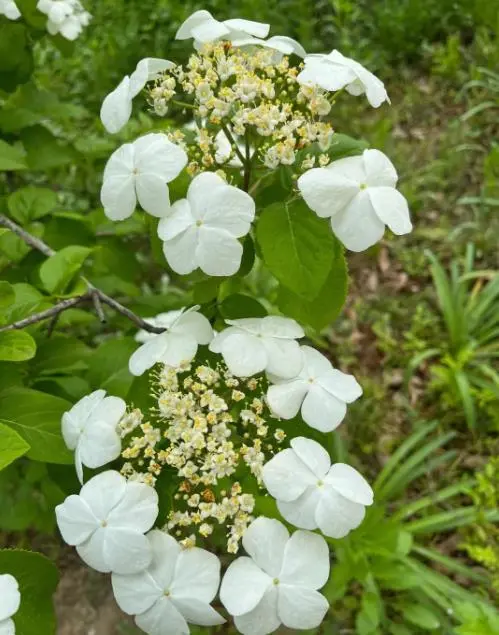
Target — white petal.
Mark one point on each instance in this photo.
(336, 516)
(379, 169)
(156, 155)
(292, 45)
(244, 354)
(277, 326)
(110, 410)
(265, 541)
(243, 586)
(11, 598)
(201, 190)
(197, 18)
(375, 89)
(163, 618)
(263, 619)
(222, 336)
(178, 220)
(344, 387)
(313, 455)
(117, 107)
(321, 72)
(151, 352)
(103, 492)
(197, 575)
(350, 484)
(306, 561)
(165, 550)
(258, 29)
(118, 197)
(181, 348)
(352, 168)
(357, 226)
(301, 512)
(315, 363)
(218, 252)
(99, 444)
(137, 510)
(209, 31)
(392, 209)
(180, 252)
(153, 194)
(126, 551)
(301, 608)
(286, 399)
(231, 209)
(285, 359)
(135, 593)
(92, 551)
(195, 325)
(321, 410)
(325, 193)
(147, 69)
(286, 477)
(197, 612)
(75, 520)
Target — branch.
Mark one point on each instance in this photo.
(93, 294)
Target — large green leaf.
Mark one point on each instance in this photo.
(16, 346)
(7, 295)
(12, 446)
(108, 366)
(59, 270)
(29, 203)
(37, 578)
(239, 305)
(322, 310)
(16, 56)
(11, 157)
(297, 246)
(44, 150)
(61, 354)
(36, 416)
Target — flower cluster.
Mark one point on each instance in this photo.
(67, 17)
(11, 601)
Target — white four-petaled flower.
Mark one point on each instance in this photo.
(185, 330)
(9, 9)
(141, 170)
(253, 345)
(203, 28)
(321, 391)
(358, 194)
(90, 429)
(107, 521)
(202, 230)
(176, 589)
(334, 71)
(67, 17)
(10, 601)
(311, 493)
(279, 582)
(117, 106)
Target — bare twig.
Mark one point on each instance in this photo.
(93, 294)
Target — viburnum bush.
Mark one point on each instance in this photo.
(223, 482)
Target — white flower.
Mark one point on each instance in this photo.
(203, 27)
(67, 17)
(335, 71)
(282, 44)
(10, 600)
(141, 170)
(107, 522)
(311, 493)
(279, 582)
(252, 345)
(358, 194)
(185, 330)
(202, 230)
(117, 106)
(320, 390)
(177, 588)
(91, 429)
(9, 9)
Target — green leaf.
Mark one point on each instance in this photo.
(27, 301)
(16, 346)
(37, 578)
(59, 270)
(108, 366)
(12, 446)
(239, 305)
(16, 56)
(326, 307)
(7, 295)
(206, 290)
(36, 416)
(61, 354)
(297, 247)
(29, 203)
(344, 146)
(420, 616)
(11, 157)
(44, 150)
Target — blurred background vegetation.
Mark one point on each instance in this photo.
(421, 328)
